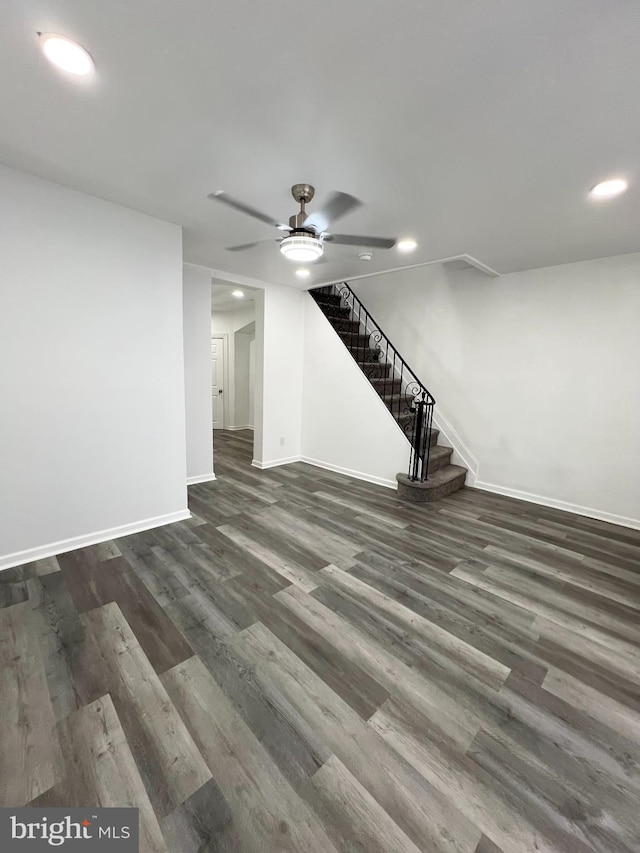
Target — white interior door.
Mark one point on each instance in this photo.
(217, 382)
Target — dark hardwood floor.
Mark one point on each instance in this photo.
(309, 664)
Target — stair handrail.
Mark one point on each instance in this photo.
(418, 400)
(428, 395)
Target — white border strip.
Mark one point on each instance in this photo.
(275, 462)
(327, 466)
(348, 472)
(552, 503)
(54, 548)
(201, 478)
(235, 429)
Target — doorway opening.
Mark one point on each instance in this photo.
(233, 370)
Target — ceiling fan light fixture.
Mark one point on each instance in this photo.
(301, 247)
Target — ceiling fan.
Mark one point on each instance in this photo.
(307, 231)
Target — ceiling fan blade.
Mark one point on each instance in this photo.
(244, 246)
(225, 198)
(335, 205)
(355, 240)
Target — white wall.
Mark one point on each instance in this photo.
(230, 321)
(345, 425)
(258, 444)
(279, 339)
(243, 339)
(196, 301)
(538, 372)
(92, 425)
(252, 381)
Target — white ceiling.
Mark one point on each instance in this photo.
(476, 126)
(222, 298)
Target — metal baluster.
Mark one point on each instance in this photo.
(415, 471)
(352, 316)
(427, 450)
(393, 379)
(393, 373)
(366, 332)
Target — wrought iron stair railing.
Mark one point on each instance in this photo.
(408, 400)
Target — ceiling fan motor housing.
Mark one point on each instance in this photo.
(296, 223)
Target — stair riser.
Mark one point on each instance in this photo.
(437, 464)
(326, 301)
(355, 341)
(433, 438)
(427, 495)
(364, 354)
(334, 313)
(387, 387)
(373, 371)
(395, 401)
(344, 327)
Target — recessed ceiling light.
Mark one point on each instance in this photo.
(238, 294)
(609, 189)
(365, 256)
(407, 245)
(66, 54)
(302, 273)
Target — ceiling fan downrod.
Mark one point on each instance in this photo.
(302, 193)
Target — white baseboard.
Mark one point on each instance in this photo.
(274, 462)
(237, 428)
(348, 472)
(337, 469)
(53, 548)
(610, 517)
(201, 478)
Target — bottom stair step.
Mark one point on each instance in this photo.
(438, 485)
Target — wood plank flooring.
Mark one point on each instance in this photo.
(309, 664)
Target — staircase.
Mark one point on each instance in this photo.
(431, 475)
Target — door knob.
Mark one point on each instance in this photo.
(220, 391)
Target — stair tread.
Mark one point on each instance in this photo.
(439, 450)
